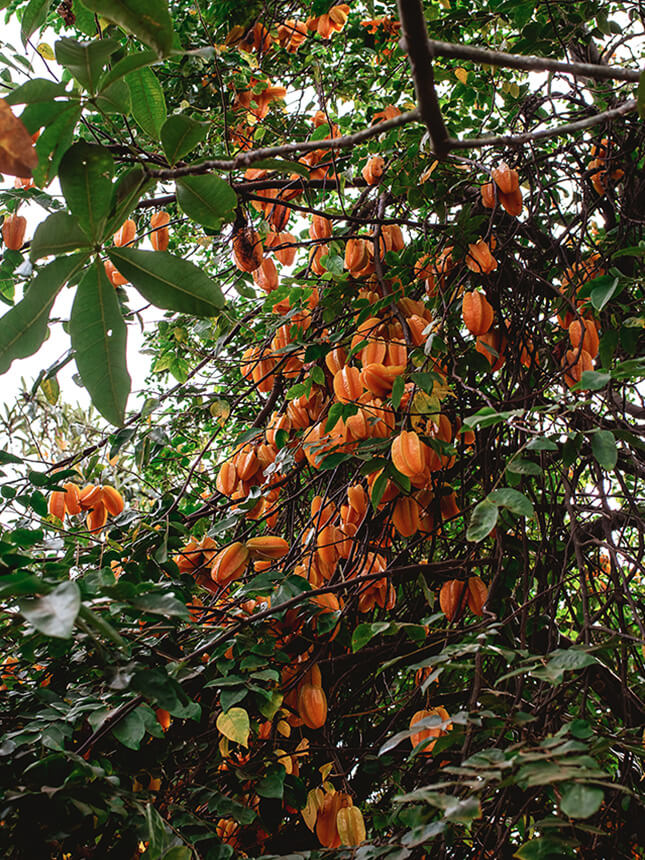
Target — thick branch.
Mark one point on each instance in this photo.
(415, 42)
(246, 159)
(530, 63)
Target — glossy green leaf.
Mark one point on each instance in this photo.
(604, 289)
(148, 101)
(168, 281)
(604, 449)
(516, 502)
(482, 522)
(126, 65)
(33, 18)
(581, 801)
(60, 233)
(54, 614)
(85, 61)
(98, 336)
(35, 91)
(85, 175)
(180, 135)
(128, 190)
(114, 99)
(24, 328)
(148, 20)
(521, 466)
(130, 730)
(55, 140)
(206, 199)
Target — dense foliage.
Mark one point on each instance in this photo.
(363, 565)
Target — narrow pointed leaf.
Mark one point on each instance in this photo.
(24, 327)
(99, 338)
(168, 281)
(85, 175)
(33, 18)
(148, 101)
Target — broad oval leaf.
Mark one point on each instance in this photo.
(85, 175)
(148, 20)
(24, 328)
(482, 521)
(516, 502)
(54, 614)
(168, 281)
(207, 199)
(85, 61)
(128, 64)
(235, 725)
(98, 335)
(180, 135)
(57, 234)
(33, 18)
(581, 801)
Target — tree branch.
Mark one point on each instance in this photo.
(415, 43)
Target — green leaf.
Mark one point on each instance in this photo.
(127, 192)
(544, 848)
(114, 99)
(594, 380)
(482, 521)
(235, 725)
(85, 60)
(581, 801)
(604, 289)
(130, 730)
(24, 328)
(98, 335)
(33, 18)
(148, 101)
(85, 175)
(148, 20)
(398, 387)
(161, 604)
(180, 134)
(516, 502)
(54, 614)
(364, 632)
(272, 785)
(128, 64)
(168, 281)
(283, 166)
(541, 443)
(603, 446)
(35, 91)
(57, 234)
(206, 199)
(53, 143)
(520, 466)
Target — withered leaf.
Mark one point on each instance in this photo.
(17, 154)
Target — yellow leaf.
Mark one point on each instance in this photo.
(46, 51)
(515, 90)
(220, 409)
(461, 75)
(325, 770)
(310, 812)
(283, 728)
(224, 747)
(235, 725)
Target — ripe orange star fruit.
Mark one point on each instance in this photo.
(230, 563)
(267, 547)
(575, 362)
(477, 594)
(492, 346)
(126, 233)
(373, 170)
(452, 598)
(13, 231)
(96, 518)
(477, 313)
(507, 180)
(326, 827)
(160, 235)
(479, 258)
(409, 454)
(347, 384)
(430, 732)
(248, 251)
(89, 496)
(312, 706)
(114, 275)
(113, 500)
(512, 202)
(320, 227)
(286, 254)
(584, 333)
(405, 516)
(488, 195)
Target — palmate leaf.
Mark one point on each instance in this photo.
(98, 336)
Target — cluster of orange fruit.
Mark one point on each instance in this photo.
(290, 34)
(582, 328)
(505, 187)
(126, 235)
(98, 500)
(603, 176)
